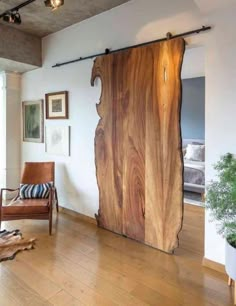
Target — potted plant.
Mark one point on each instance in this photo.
(221, 201)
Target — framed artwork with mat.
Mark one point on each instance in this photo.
(57, 105)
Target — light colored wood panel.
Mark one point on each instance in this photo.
(93, 281)
(32, 278)
(115, 277)
(65, 280)
(169, 278)
(164, 166)
(16, 290)
(160, 265)
(5, 299)
(139, 255)
(62, 298)
(109, 258)
(75, 253)
(152, 297)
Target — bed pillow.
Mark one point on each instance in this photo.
(195, 152)
(38, 191)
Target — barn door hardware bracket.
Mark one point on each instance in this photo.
(169, 36)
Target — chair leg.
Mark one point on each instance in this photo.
(56, 198)
(50, 224)
(50, 219)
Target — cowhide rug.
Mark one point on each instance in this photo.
(12, 243)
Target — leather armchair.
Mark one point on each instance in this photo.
(37, 209)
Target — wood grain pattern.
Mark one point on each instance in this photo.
(108, 149)
(138, 143)
(164, 165)
(85, 265)
(134, 144)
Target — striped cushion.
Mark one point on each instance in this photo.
(41, 191)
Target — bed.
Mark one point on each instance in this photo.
(194, 171)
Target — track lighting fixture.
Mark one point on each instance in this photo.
(12, 17)
(54, 4)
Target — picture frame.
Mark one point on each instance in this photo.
(57, 105)
(33, 121)
(57, 140)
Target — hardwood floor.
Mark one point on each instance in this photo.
(84, 265)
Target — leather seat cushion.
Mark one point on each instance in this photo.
(25, 207)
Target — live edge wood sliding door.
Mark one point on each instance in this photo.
(138, 143)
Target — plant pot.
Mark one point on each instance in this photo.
(230, 261)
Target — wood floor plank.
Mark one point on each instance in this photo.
(152, 297)
(160, 263)
(17, 291)
(62, 298)
(84, 265)
(70, 284)
(91, 280)
(33, 278)
(5, 299)
(163, 265)
(115, 277)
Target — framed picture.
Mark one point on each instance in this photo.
(58, 140)
(33, 121)
(57, 105)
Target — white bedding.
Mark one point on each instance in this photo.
(194, 172)
(194, 164)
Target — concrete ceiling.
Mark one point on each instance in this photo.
(41, 21)
(208, 6)
(13, 66)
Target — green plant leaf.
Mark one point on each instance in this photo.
(221, 198)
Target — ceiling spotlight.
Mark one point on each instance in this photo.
(54, 4)
(12, 17)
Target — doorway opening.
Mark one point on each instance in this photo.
(193, 145)
(193, 126)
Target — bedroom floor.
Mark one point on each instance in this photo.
(85, 265)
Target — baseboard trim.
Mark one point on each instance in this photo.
(213, 265)
(77, 215)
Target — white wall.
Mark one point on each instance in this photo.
(220, 108)
(75, 175)
(194, 63)
(10, 142)
(2, 132)
(137, 21)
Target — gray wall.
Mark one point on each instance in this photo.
(193, 108)
(20, 47)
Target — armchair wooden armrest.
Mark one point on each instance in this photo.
(7, 189)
